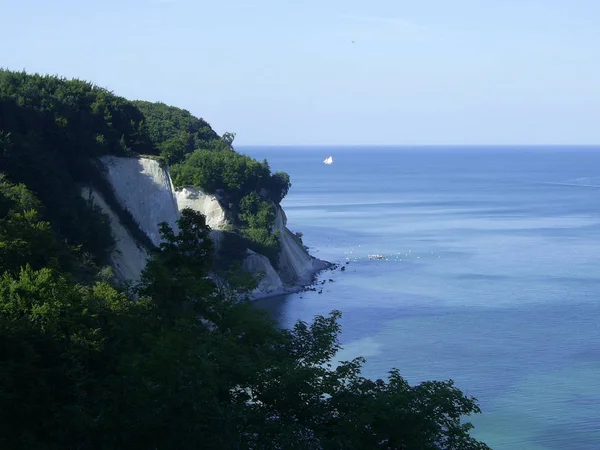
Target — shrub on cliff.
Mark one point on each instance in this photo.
(279, 185)
(211, 170)
(258, 217)
(233, 174)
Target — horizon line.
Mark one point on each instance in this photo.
(419, 145)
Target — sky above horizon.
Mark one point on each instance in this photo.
(348, 72)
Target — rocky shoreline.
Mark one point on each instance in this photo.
(302, 285)
(314, 285)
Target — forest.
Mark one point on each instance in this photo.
(176, 361)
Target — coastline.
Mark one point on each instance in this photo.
(307, 282)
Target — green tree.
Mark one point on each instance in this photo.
(177, 273)
(24, 239)
(61, 345)
(165, 123)
(234, 174)
(255, 212)
(228, 139)
(258, 219)
(174, 149)
(280, 185)
(306, 401)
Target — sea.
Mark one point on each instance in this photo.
(476, 264)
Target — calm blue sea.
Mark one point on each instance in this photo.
(492, 276)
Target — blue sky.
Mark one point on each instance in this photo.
(274, 72)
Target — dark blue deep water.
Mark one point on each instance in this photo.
(492, 276)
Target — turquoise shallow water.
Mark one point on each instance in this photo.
(492, 276)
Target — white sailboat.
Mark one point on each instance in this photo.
(328, 160)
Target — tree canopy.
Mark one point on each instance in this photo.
(175, 132)
(165, 122)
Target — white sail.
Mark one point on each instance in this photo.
(328, 160)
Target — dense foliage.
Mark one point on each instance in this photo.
(257, 218)
(236, 174)
(175, 131)
(188, 365)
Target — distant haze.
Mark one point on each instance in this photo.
(334, 72)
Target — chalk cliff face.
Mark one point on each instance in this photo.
(190, 197)
(270, 282)
(145, 188)
(296, 266)
(128, 259)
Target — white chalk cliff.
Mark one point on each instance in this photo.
(296, 266)
(270, 282)
(128, 259)
(209, 205)
(145, 189)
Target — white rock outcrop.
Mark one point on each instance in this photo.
(128, 258)
(209, 205)
(270, 282)
(296, 266)
(144, 188)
